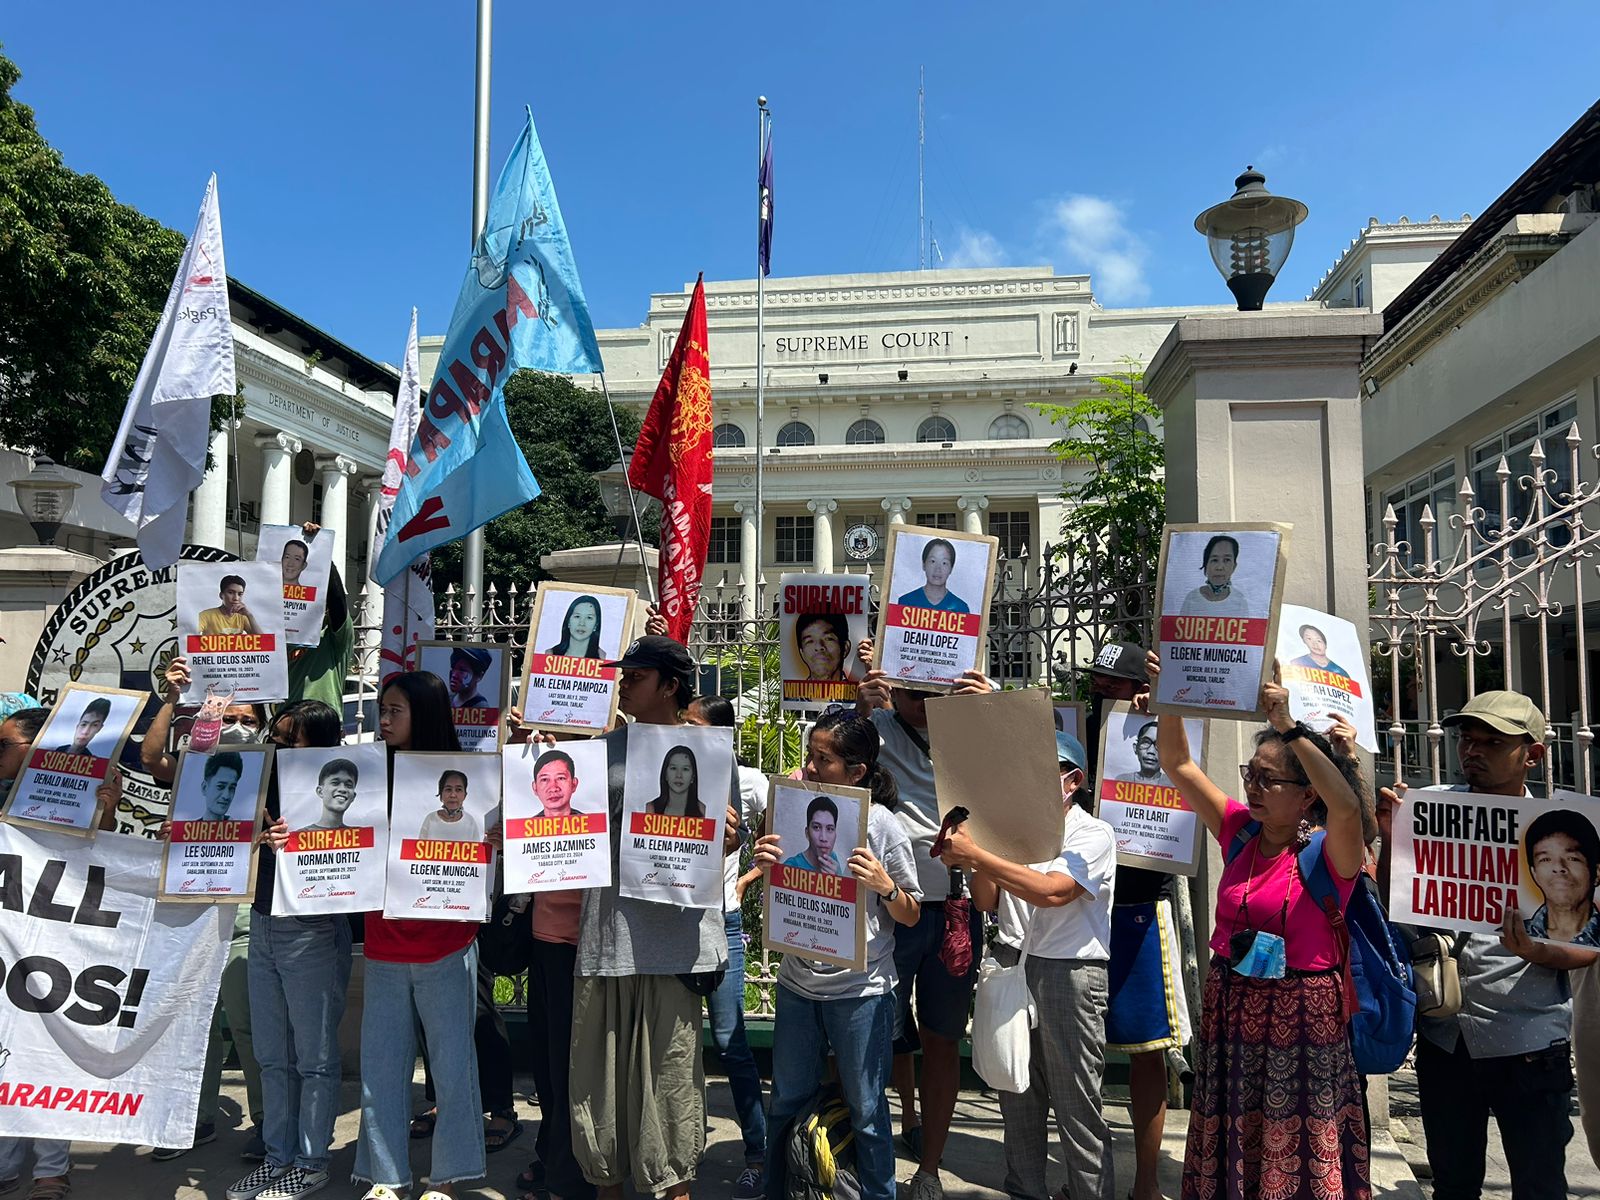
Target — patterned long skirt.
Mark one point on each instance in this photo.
(1277, 1102)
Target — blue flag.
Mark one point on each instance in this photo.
(764, 184)
(520, 305)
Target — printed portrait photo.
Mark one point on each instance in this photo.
(89, 723)
(335, 787)
(555, 781)
(444, 796)
(225, 785)
(473, 674)
(939, 572)
(580, 624)
(1561, 854)
(817, 831)
(1220, 574)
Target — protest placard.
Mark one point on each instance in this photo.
(572, 631)
(1220, 587)
(217, 802)
(814, 906)
(557, 810)
(104, 1029)
(335, 800)
(306, 565)
(478, 677)
(1324, 670)
(934, 619)
(995, 756)
(1069, 718)
(75, 750)
(230, 625)
(1462, 859)
(1153, 826)
(821, 619)
(439, 862)
(674, 810)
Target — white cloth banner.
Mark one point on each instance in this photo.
(160, 453)
(108, 996)
(408, 600)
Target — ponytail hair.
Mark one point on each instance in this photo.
(856, 741)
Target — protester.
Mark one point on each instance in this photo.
(1068, 941)
(1508, 1051)
(726, 1005)
(1147, 1014)
(942, 1001)
(638, 1087)
(1277, 1102)
(418, 969)
(299, 969)
(822, 1007)
(318, 672)
(241, 724)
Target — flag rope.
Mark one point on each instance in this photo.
(633, 502)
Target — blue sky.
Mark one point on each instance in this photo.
(1087, 137)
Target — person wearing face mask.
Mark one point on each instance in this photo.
(1277, 1100)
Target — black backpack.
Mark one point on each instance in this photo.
(819, 1151)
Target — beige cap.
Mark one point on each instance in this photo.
(1508, 712)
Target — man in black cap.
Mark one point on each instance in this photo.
(467, 669)
(1147, 1013)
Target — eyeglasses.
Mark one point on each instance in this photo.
(13, 742)
(1260, 779)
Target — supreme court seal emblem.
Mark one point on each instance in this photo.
(861, 541)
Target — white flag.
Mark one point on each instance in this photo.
(408, 600)
(160, 453)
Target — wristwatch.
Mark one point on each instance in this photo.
(892, 896)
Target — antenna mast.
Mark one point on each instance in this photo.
(922, 138)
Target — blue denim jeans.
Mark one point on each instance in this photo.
(50, 1158)
(859, 1032)
(443, 995)
(299, 970)
(727, 1031)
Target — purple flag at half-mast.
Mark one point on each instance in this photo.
(766, 207)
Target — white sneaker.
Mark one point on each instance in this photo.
(253, 1184)
(296, 1181)
(924, 1186)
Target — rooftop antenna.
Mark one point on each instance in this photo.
(922, 138)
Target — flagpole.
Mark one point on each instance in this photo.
(472, 556)
(633, 503)
(763, 132)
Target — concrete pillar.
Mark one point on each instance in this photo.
(747, 556)
(372, 616)
(897, 507)
(209, 524)
(972, 512)
(336, 472)
(822, 533)
(277, 474)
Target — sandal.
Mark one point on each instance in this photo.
(531, 1181)
(381, 1191)
(54, 1187)
(421, 1127)
(495, 1139)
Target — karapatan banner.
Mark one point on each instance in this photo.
(108, 997)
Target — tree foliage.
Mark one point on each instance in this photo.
(82, 283)
(565, 434)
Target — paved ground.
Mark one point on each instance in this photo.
(973, 1166)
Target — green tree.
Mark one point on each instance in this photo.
(82, 283)
(1112, 529)
(565, 434)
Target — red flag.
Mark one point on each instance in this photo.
(672, 462)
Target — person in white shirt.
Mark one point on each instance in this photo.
(1068, 944)
(1217, 597)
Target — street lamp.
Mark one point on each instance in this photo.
(1250, 235)
(613, 483)
(44, 495)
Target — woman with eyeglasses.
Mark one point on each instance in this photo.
(1277, 1106)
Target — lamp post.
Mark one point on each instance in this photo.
(44, 495)
(1250, 235)
(613, 483)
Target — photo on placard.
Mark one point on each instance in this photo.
(939, 569)
(557, 816)
(231, 628)
(814, 906)
(307, 567)
(581, 622)
(1325, 671)
(439, 863)
(572, 632)
(220, 786)
(821, 621)
(217, 803)
(1152, 826)
(1561, 872)
(1069, 719)
(478, 677)
(73, 753)
(934, 617)
(818, 833)
(676, 791)
(335, 801)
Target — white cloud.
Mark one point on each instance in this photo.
(975, 248)
(1094, 233)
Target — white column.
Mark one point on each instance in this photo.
(897, 507)
(972, 512)
(209, 526)
(822, 532)
(277, 473)
(336, 472)
(747, 554)
(368, 589)
(372, 493)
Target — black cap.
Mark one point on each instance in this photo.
(653, 652)
(1123, 660)
(478, 660)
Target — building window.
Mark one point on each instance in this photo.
(725, 535)
(1516, 445)
(796, 433)
(937, 520)
(796, 540)
(1008, 425)
(1435, 489)
(727, 436)
(1361, 291)
(936, 429)
(865, 432)
(1012, 530)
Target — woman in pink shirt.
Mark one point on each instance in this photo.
(1277, 1101)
